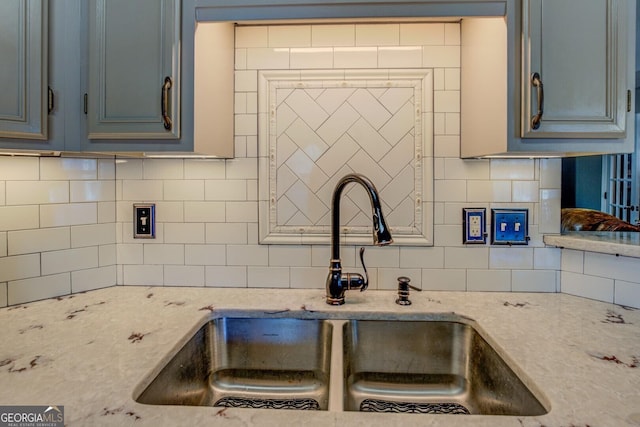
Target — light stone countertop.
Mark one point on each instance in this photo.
(625, 243)
(90, 351)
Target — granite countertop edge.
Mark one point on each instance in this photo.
(92, 352)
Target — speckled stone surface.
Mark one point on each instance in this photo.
(625, 243)
(91, 352)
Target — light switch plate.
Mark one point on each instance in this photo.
(509, 226)
(474, 225)
(144, 221)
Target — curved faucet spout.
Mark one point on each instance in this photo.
(337, 282)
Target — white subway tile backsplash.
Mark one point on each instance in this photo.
(516, 169)
(19, 168)
(204, 169)
(626, 293)
(441, 56)
(168, 254)
(254, 36)
(247, 255)
(525, 191)
(184, 233)
(205, 254)
(229, 189)
(268, 277)
(333, 35)
(106, 169)
(142, 190)
(143, 275)
(226, 233)
(93, 278)
(36, 192)
(355, 57)
(400, 56)
(446, 101)
(184, 275)
(64, 168)
(19, 267)
(37, 288)
(163, 169)
(492, 191)
(67, 260)
(550, 173)
(130, 253)
(242, 211)
(511, 258)
(308, 277)
(107, 255)
(581, 285)
(91, 191)
(311, 58)
(289, 256)
(615, 267)
(547, 258)
(206, 210)
(451, 34)
(107, 212)
(422, 34)
(489, 280)
(246, 81)
(3, 244)
(191, 189)
(129, 169)
(466, 169)
(572, 261)
(449, 279)
(267, 58)
(377, 34)
(451, 190)
(550, 205)
(38, 240)
(533, 281)
(226, 277)
(466, 257)
(3, 294)
(68, 214)
(446, 146)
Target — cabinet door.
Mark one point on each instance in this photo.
(134, 63)
(23, 69)
(578, 50)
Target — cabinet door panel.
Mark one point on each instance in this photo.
(133, 48)
(23, 69)
(578, 47)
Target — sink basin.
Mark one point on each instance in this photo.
(281, 363)
(433, 367)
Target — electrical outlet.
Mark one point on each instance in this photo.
(474, 225)
(510, 226)
(144, 221)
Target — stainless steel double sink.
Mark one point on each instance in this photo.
(437, 366)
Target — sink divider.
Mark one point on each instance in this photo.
(336, 388)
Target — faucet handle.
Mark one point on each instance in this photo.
(365, 285)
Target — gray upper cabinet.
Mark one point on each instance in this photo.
(23, 70)
(575, 69)
(134, 70)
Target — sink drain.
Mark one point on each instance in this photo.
(239, 402)
(370, 405)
